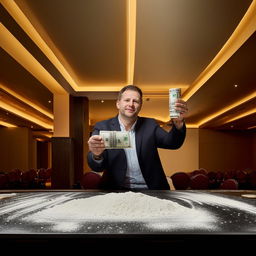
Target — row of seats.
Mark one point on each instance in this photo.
(203, 179)
(30, 179)
(197, 179)
(41, 178)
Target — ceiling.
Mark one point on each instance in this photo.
(93, 48)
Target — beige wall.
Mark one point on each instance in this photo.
(212, 150)
(185, 158)
(16, 149)
(226, 150)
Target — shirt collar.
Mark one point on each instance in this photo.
(122, 126)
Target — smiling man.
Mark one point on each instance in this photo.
(138, 167)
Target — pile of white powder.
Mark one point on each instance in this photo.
(112, 206)
(122, 206)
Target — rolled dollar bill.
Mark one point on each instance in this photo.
(174, 94)
(116, 139)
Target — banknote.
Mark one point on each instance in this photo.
(174, 94)
(116, 139)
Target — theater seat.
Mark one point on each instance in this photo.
(229, 184)
(91, 180)
(199, 181)
(180, 180)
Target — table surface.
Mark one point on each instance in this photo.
(214, 212)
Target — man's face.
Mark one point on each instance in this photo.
(130, 104)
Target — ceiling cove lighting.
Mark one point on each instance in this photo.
(222, 111)
(30, 103)
(14, 48)
(131, 38)
(247, 113)
(243, 31)
(44, 134)
(18, 15)
(25, 115)
(6, 124)
(25, 24)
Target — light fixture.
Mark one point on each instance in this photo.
(131, 39)
(6, 124)
(27, 101)
(232, 106)
(23, 114)
(16, 50)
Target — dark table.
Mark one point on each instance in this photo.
(225, 218)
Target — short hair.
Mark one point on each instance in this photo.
(132, 88)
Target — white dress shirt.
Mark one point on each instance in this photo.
(133, 178)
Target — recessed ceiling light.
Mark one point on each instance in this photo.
(102, 101)
(49, 101)
(235, 85)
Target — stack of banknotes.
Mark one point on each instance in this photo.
(116, 139)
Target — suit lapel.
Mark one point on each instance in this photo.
(115, 126)
(139, 136)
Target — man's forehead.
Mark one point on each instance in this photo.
(131, 93)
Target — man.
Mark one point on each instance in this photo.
(139, 167)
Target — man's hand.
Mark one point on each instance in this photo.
(181, 107)
(96, 145)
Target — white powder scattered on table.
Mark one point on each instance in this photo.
(123, 206)
(3, 195)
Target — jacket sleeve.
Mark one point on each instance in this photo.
(173, 139)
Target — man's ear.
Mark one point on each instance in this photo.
(117, 104)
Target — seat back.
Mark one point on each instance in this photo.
(229, 184)
(180, 180)
(91, 180)
(199, 181)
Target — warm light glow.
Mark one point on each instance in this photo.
(247, 113)
(3, 123)
(244, 30)
(149, 91)
(25, 24)
(30, 103)
(13, 47)
(146, 88)
(222, 111)
(131, 39)
(251, 127)
(25, 115)
(192, 126)
(44, 134)
(167, 120)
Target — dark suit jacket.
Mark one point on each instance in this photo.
(149, 136)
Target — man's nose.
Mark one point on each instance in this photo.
(131, 103)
